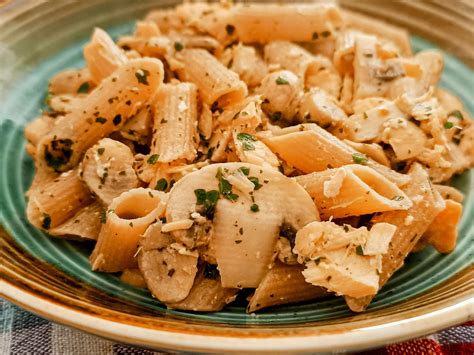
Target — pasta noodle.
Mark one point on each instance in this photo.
(54, 202)
(105, 110)
(352, 190)
(215, 82)
(103, 56)
(411, 224)
(175, 123)
(126, 219)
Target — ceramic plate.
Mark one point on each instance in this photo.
(52, 277)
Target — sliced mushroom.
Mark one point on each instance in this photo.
(107, 170)
(207, 294)
(168, 274)
(246, 224)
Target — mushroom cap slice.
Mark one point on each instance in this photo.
(245, 225)
(168, 274)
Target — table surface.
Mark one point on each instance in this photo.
(25, 333)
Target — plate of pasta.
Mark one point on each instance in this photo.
(246, 177)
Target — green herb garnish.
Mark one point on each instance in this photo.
(359, 250)
(247, 141)
(276, 116)
(315, 36)
(254, 208)
(360, 158)
(178, 46)
(101, 120)
(397, 198)
(325, 34)
(256, 182)
(448, 125)
(245, 170)
(161, 185)
(153, 159)
(100, 151)
(281, 81)
(103, 216)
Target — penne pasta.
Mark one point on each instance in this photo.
(126, 219)
(133, 277)
(102, 56)
(245, 61)
(283, 284)
(411, 224)
(215, 82)
(442, 233)
(449, 193)
(352, 190)
(400, 37)
(55, 201)
(84, 225)
(292, 144)
(263, 23)
(175, 123)
(71, 81)
(36, 130)
(112, 103)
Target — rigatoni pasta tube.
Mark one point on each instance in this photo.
(352, 190)
(105, 109)
(102, 56)
(54, 202)
(214, 81)
(310, 148)
(283, 284)
(411, 224)
(127, 218)
(266, 22)
(175, 123)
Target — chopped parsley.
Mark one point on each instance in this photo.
(178, 46)
(46, 221)
(360, 158)
(100, 151)
(289, 232)
(325, 33)
(211, 272)
(117, 119)
(153, 159)
(359, 250)
(281, 81)
(208, 200)
(230, 29)
(448, 125)
(457, 114)
(254, 208)
(247, 141)
(256, 182)
(101, 120)
(171, 272)
(315, 36)
(84, 88)
(245, 170)
(103, 216)
(200, 196)
(161, 185)
(142, 76)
